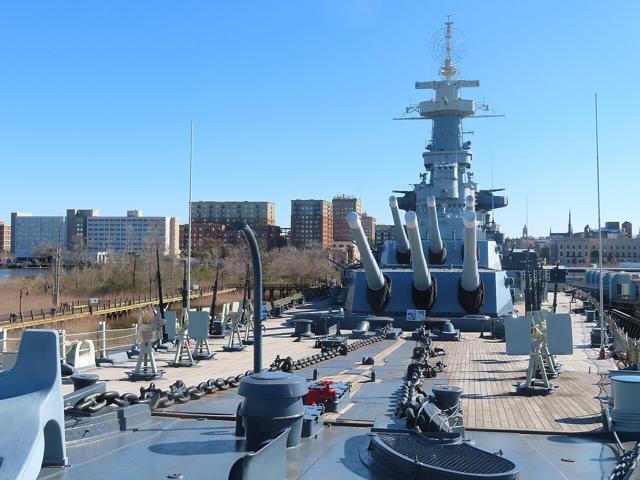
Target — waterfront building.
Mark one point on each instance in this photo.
(618, 246)
(227, 213)
(342, 205)
(384, 233)
(132, 234)
(5, 237)
(207, 234)
(76, 221)
(369, 226)
(36, 236)
(311, 223)
(213, 222)
(203, 234)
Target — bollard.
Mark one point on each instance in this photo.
(102, 339)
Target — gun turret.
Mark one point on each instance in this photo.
(378, 286)
(470, 288)
(423, 292)
(437, 250)
(403, 252)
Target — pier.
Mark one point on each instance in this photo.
(124, 305)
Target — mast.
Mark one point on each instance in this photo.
(188, 306)
(56, 273)
(601, 290)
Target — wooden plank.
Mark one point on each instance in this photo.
(487, 375)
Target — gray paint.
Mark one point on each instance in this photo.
(402, 244)
(470, 279)
(421, 276)
(375, 280)
(436, 244)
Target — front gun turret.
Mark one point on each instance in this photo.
(403, 252)
(378, 285)
(470, 288)
(423, 290)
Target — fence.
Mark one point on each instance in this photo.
(108, 307)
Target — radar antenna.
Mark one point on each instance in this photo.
(448, 47)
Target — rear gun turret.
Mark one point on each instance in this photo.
(470, 288)
(437, 250)
(403, 252)
(423, 291)
(378, 285)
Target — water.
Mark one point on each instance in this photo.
(9, 273)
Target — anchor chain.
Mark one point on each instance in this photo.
(179, 393)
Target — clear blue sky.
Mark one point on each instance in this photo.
(295, 99)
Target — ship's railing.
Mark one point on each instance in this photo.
(625, 348)
(105, 341)
(624, 329)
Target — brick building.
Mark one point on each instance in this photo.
(311, 223)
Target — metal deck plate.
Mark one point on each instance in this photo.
(377, 391)
(226, 404)
(369, 410)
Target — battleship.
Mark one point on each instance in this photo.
(421, 367)
(447, 214)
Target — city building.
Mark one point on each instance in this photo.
(584, 251)
(214, 221)
(384, 233)
(203, 234)
(36, 236)
(76, 221)
(132, 234)
(559, 235)
(226, 213)
(206, 234)
(311, 223)
(369, 226)
(618, 246)
(345, 252)
(342, 205)
(5, 237)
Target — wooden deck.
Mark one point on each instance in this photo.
(487, 374)
(480, 366)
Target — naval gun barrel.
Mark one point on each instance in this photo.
(421, 276)
(375, 280)
(469, 203)
(378, 286)
(470, 288)
(423, 291)
(403, 252)
(437, 250)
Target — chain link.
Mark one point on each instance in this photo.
(179, 393)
